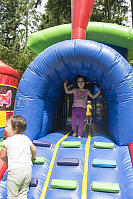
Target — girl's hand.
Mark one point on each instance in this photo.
(99, 89)
(65, 81)
(33, 157)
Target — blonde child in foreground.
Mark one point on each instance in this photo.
(16, 153)
(79, 104)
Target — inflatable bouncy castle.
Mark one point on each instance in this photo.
(8, 88)
(99, 165)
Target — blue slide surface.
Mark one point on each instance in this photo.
(122, 174)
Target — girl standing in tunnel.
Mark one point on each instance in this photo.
(79, 104)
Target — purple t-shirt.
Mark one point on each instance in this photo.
(80, 97)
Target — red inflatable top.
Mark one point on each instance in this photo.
(81, 11)
(7, 70)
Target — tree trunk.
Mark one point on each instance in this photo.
(108, 10)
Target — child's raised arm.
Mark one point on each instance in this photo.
(94, 96)
(66, 89)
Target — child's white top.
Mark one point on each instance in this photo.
(18, 151)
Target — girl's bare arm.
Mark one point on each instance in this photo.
(94, 96)
(66, 89)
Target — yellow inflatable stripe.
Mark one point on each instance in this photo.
(8, 85)
(6, 111)
(51, 167)
(2, 119)
(84, 181)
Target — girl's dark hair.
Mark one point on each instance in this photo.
(75, 85)
(18, 123)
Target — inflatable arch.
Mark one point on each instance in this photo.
(41, 101)
(42, 85)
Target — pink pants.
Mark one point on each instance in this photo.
(78, 114)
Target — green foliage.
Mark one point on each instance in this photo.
(18, 18)
(19, 60)
(111, 11)
(10, 21)
(57, 12)
(132, 11)
(131, 63)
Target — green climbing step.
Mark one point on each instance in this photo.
(39, 160)
(103, 145)
(105, 187)
(69, 144)
(1, 148)
(1, 144)
(64, 184)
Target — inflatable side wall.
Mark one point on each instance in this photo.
(8, 88)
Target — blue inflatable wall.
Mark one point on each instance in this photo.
(41, 87)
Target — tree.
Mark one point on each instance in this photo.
(10, 22)
(18, 18)
(132, 11)
(59, 12)
(19, 60)
(111, 11)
